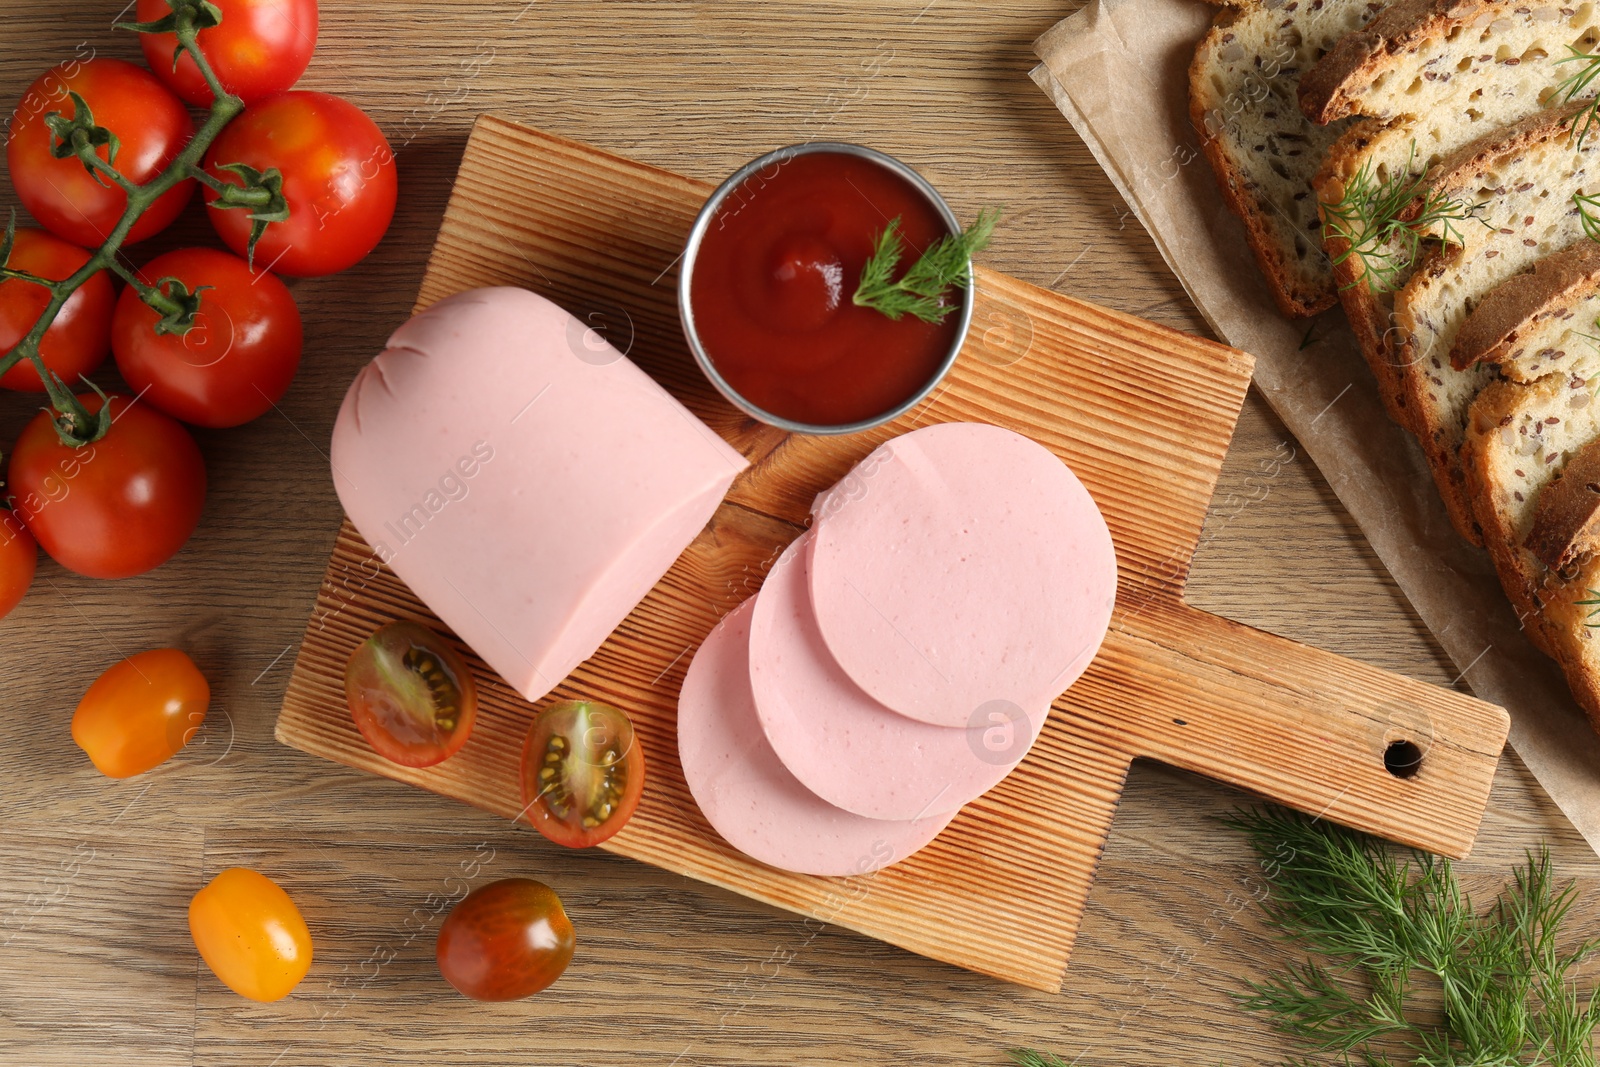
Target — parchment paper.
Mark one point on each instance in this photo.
(1118, 70)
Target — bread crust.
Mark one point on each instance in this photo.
(1329, 91)
(1292, 298)
(1493, 409)
(1568, 518)
(1552, 284)
(1370, 318)
(1455, 175)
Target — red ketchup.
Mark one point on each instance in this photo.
(772, 286)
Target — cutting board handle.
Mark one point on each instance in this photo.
(1408, 761)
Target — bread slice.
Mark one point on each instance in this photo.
(1447, 63)
(1427, 77)
(1542, 321)
(1521, 182)
(1243, 103)
(1520, 437)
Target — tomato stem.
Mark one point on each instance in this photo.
(75, 426)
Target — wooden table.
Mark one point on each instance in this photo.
(95, 875)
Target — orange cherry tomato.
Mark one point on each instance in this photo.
(505, 941)
(141, 712)
(19, 556)
(250, 934)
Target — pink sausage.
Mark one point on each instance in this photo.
(745, 792)
(845, 746)
(524, 479)
(959, 568)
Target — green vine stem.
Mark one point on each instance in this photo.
(73, 422)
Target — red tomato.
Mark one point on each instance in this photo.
(19, 555)
(234, 363)
(261, 47)
(338, 178)
(151, 123)
(115, 508)
(411, 695)
(582, 772)
(505, 941)
(141, 712)
(78, 340)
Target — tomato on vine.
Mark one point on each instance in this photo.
(114, 508)
(150, 126)
(19, 557)
(259, 48)
(231, 361)
(338, 183)
(80, 336)
(141, 712)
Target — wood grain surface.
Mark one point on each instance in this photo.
(95, 875)
(1142, 414)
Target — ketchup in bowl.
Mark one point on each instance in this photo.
(769, 275)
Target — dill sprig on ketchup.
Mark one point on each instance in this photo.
(794, 296)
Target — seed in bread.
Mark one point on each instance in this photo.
(1243, 104)
(1542, 321)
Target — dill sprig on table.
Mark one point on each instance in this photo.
(923, 288)
(1402, 968)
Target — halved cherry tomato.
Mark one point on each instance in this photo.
(151, 125)
(505, 941)
(411, 694)
(141, 712)
(238, 358)
(582, 772)
(259, 48)
(250, 934)
(338, 180)
(80, 337)
(115, 508)
(19, 557)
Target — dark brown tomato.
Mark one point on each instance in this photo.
(582, 772)
(505, 941)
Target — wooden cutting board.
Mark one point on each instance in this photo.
(1141, 413)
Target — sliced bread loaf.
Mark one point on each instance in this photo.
(1520, 437)
(1520, 181)
(1542, 321)
(1243, 103)
(1428, 76)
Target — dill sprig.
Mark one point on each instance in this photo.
(1381, 227)
(923, 288)
(1028, 1057)
(1593, 604)
(1402, 967)
(1577, 84)
(1588, 214)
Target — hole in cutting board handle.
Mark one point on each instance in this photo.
(1403, 759)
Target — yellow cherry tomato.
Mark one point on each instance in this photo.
(138, 714)
(250, 934)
